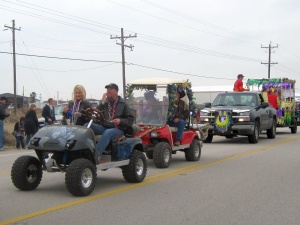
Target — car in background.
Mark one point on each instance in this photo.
(58, 109)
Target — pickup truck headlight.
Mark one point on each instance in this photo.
(204, 113)
(204, 116)
(247, 113)
(244, 116)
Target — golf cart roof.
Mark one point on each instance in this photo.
(157, 81)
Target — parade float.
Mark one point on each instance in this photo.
(280, 93)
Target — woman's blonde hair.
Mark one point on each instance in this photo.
(81, 89)
(31, 106)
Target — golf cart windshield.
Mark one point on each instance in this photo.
(149, 104)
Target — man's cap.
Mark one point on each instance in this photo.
(112, 85)
(240, 75)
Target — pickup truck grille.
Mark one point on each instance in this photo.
(234, 120)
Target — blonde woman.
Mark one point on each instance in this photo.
(73, 111)
(31, 123)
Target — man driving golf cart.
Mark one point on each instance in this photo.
(117, 118)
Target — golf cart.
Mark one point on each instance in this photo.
(72, 149)
(158, 137)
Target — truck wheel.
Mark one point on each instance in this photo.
(149, 154)
(208, 138)
(136, 170)
(271, 133)
(253, 138)
(81, 177)
(294, 128)
(26, 173)
(194, 152)
(162, 155)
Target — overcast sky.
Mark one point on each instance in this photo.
(206, 42)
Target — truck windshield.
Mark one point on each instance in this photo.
(235, 99)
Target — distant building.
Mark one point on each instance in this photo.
(21, 101)
(203, 94)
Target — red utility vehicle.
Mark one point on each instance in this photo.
(158, 137)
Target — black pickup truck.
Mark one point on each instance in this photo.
(239, 113)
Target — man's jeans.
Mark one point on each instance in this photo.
(28, 137)
(180, 125)
(1, 134)
(108, 134)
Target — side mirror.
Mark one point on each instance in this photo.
(207, 105)
(265, 105)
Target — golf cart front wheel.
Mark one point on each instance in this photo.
(162, 155)
(26, 173)
(81, 177)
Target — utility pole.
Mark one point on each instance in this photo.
(14, 64)
(269, 63)
(123, 38)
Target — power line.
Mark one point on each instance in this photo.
(167, 44)
(196, 50)
(199, 21)
(128, 63)
(65, 71)
(65, 50)
(65, 58)
(181, 73)
(43, 83)
(62, 14)
(170, 21)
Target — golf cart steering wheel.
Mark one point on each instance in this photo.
(96, 115)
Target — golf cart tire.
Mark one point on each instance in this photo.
(194, 152)
(26, 173)
(149, 154)
(209, 138)
(162, 155)
(81, 177)
(136, 170)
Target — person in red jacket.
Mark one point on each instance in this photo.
(238, 85)
(273, 98)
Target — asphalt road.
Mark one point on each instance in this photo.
(233, 183)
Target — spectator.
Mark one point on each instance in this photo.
(3, 115)
(117, 116)
(49, 113)
(31, 123)
(19, 132)
(238, 85)
(74, 110)
(181, 114)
